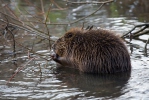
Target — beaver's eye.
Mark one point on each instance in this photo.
(59, 40)
(69, 35)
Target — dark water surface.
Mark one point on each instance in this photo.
(42, 80)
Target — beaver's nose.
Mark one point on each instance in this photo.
(55, 57)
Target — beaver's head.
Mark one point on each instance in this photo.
(65, 45)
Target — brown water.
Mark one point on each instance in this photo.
(52, 83)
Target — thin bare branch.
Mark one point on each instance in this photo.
(13, 37)
(102, 3)
(40, 55)
(32, 5)
(19, 70)
(42, 8)
(56, 5)
(146, 25)
(28, 30)
(141, 33)
(36, 18)
(87, 15)
(47, 26)
(12, 13)
(10, 17)
(89, 2)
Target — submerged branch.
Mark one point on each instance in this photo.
(146, 43)
(19, 70)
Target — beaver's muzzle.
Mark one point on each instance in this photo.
(54, 56)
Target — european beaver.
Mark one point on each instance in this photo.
(92, 51)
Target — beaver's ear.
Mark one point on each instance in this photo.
(68, 35)
(78, 39)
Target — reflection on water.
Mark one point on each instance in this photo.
(62, 83)
(107, 86)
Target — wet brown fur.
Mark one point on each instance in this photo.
(92, 51)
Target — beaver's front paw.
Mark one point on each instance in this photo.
(54, 56)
